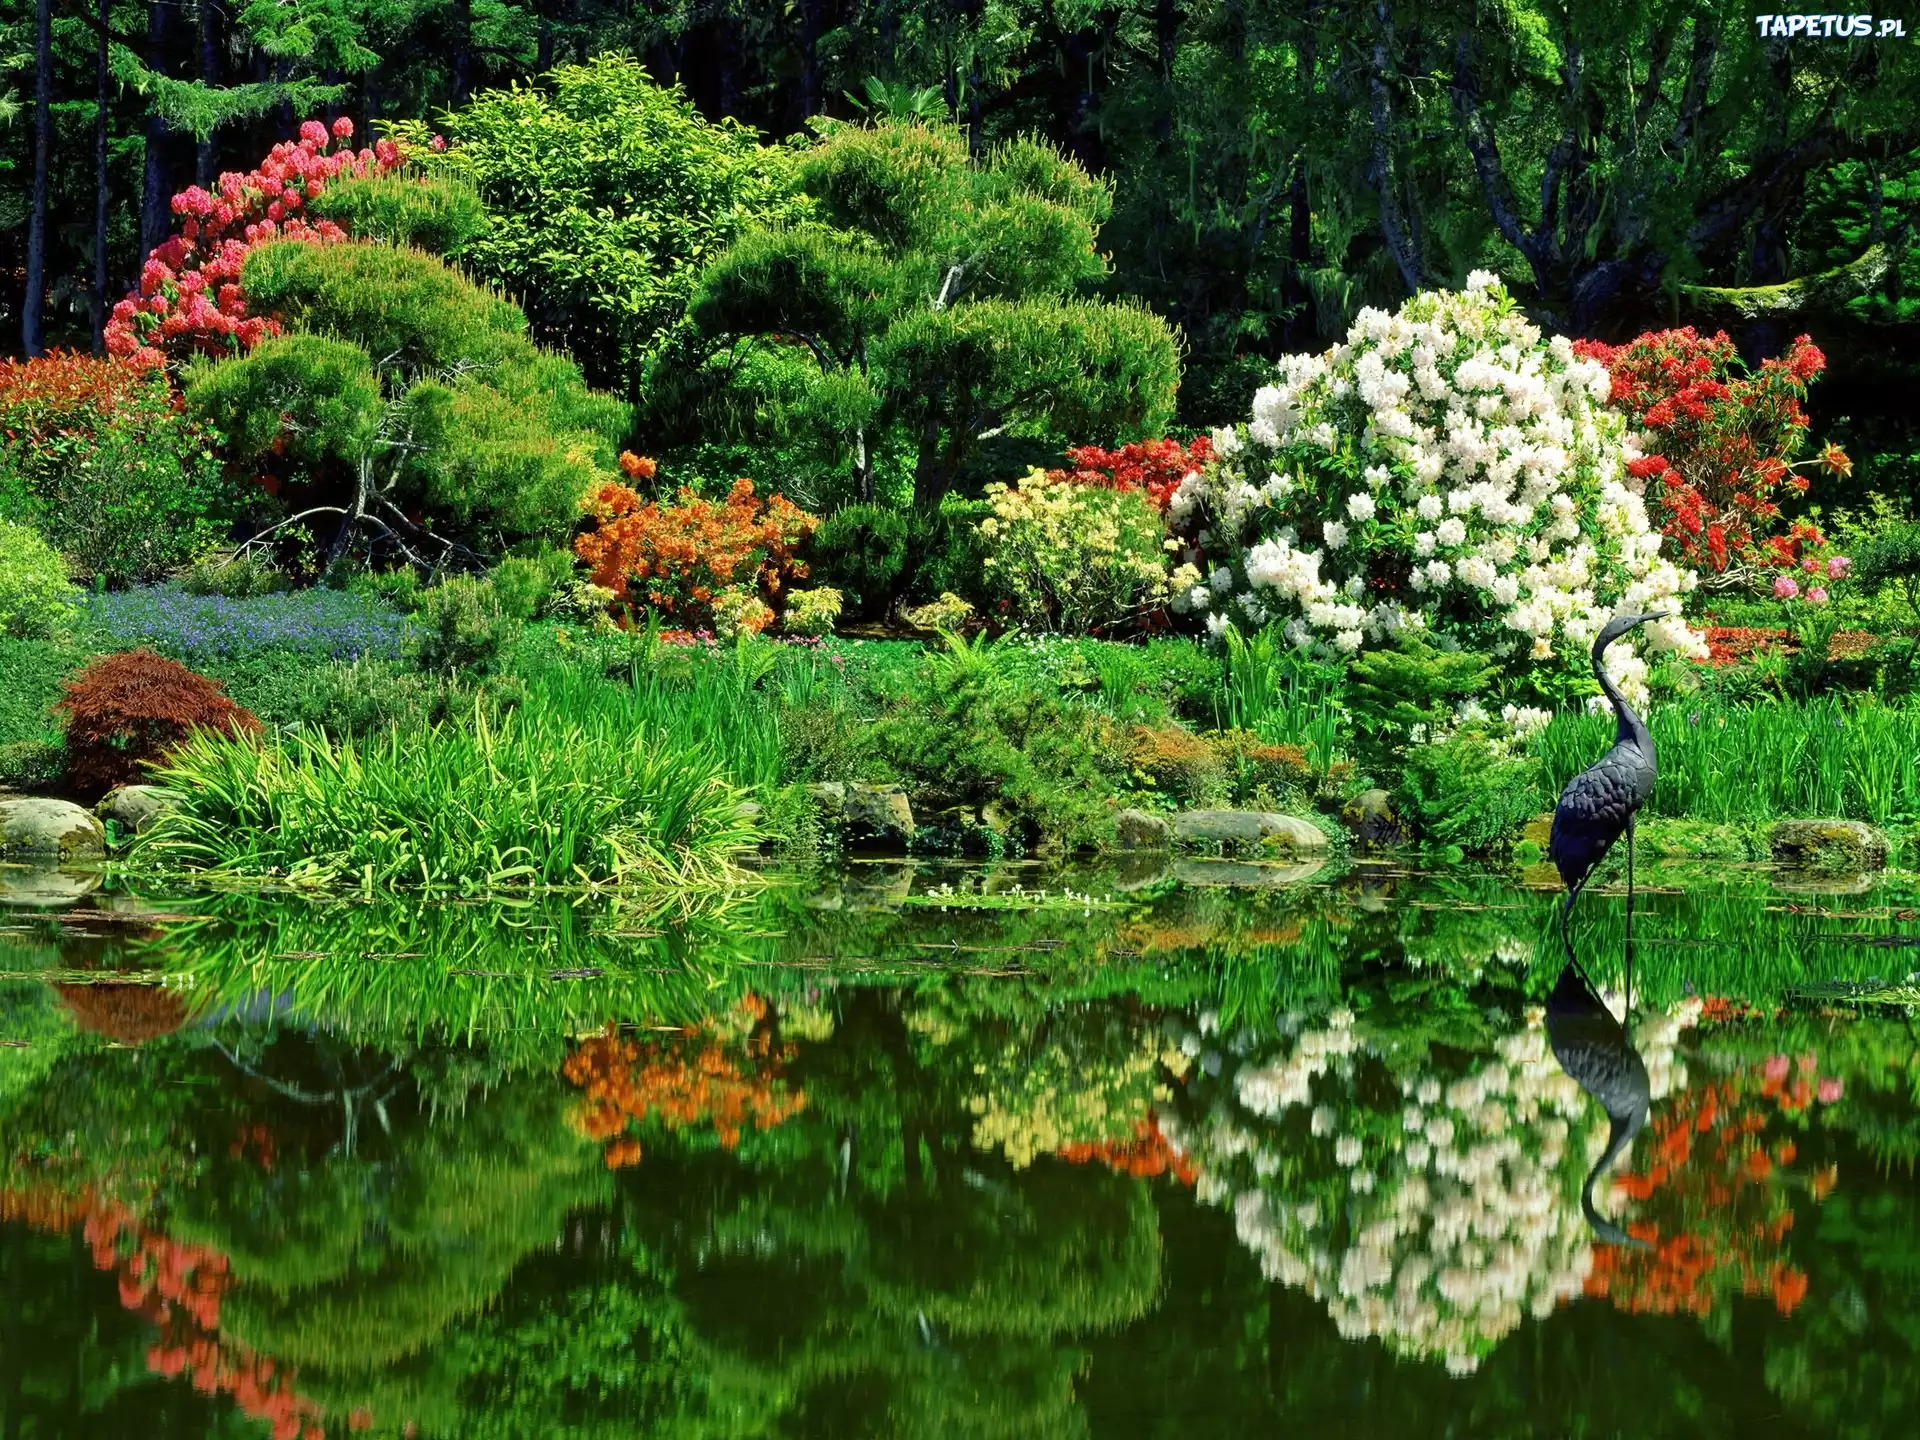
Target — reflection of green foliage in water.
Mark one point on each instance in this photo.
(1869, 1283)
(359, 1259)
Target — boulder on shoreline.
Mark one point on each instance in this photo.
(1852, 846)
(56, 830)
(134, 807)
(1137, 830)
(1247, 831)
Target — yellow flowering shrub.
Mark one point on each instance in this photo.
(1073, 558)
(812, 612)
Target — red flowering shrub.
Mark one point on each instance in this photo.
(98, 455)
(1726, 439)
(700, 562)
(1155, 466)
(189, 298)
(125, 712)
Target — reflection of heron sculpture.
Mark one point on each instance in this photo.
(1592, 1047)
(1602, 800)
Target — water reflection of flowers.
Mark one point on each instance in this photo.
(1712, 1203)
(698, 1076)
(178, 1286)
(1436, 1225)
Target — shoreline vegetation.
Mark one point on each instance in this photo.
(340, 557)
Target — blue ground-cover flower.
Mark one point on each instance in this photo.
(331, 624)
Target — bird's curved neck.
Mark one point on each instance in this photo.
(1628, 727)
(1619, 1137)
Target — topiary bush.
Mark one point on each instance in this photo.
(35, 599)
(126, 712)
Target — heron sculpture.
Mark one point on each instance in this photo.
(1593, 1048)
(1601, 801)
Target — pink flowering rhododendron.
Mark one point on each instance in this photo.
(190, 299)
(1786, 587)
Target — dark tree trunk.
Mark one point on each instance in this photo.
(462, 42)
(100, 97)
(1083, 125)
(212, 18)
(1294, 293)
(810, 97)
(156, 188)
(543, 46)
(729, 38)
(33, 302)
(1166, 33)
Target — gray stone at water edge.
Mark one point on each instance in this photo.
(1833, 845)
(1137, 830)
(1247, 830)
(134, 807)
(1370, 816)
(879, 813)
(49, 830)
(830, 796)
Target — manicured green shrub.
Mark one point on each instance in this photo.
(968, 733)
(31, 673)
(97, 455)
(438, 216)
(463, 627)
(413, 402)
(1469, 791)
(931, 305)
(868, 554)
(35, 598)
(605, 193)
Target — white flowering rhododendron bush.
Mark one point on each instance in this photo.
(1431, 1206)
(1445, 470)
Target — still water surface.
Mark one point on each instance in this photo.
(863, 1157)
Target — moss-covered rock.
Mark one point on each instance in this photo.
(1241, 832)
(56, 830)
(1832, 845)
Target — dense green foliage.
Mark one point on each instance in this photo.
(606, 192)
(35, 598)
(927, 299)
(99, 458)
(404, 389)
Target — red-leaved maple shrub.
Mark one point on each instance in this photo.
(125, 712)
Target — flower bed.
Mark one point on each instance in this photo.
(329, 624)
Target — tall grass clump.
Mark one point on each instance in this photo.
(1732, 764)
(1279, 695)
(581, 784)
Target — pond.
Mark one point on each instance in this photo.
(942, 1151)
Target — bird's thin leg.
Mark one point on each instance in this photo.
(1626, 1015)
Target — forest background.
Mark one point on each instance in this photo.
(1273, 167)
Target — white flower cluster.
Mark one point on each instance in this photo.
(1437, 1227)
(1442, 469)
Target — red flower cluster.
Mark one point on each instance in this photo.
(677, 558)
(1155, 466)
(189, 298)
(1147, 1154)
(1716, 1197)
(177, 1287)
(1727, 439)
